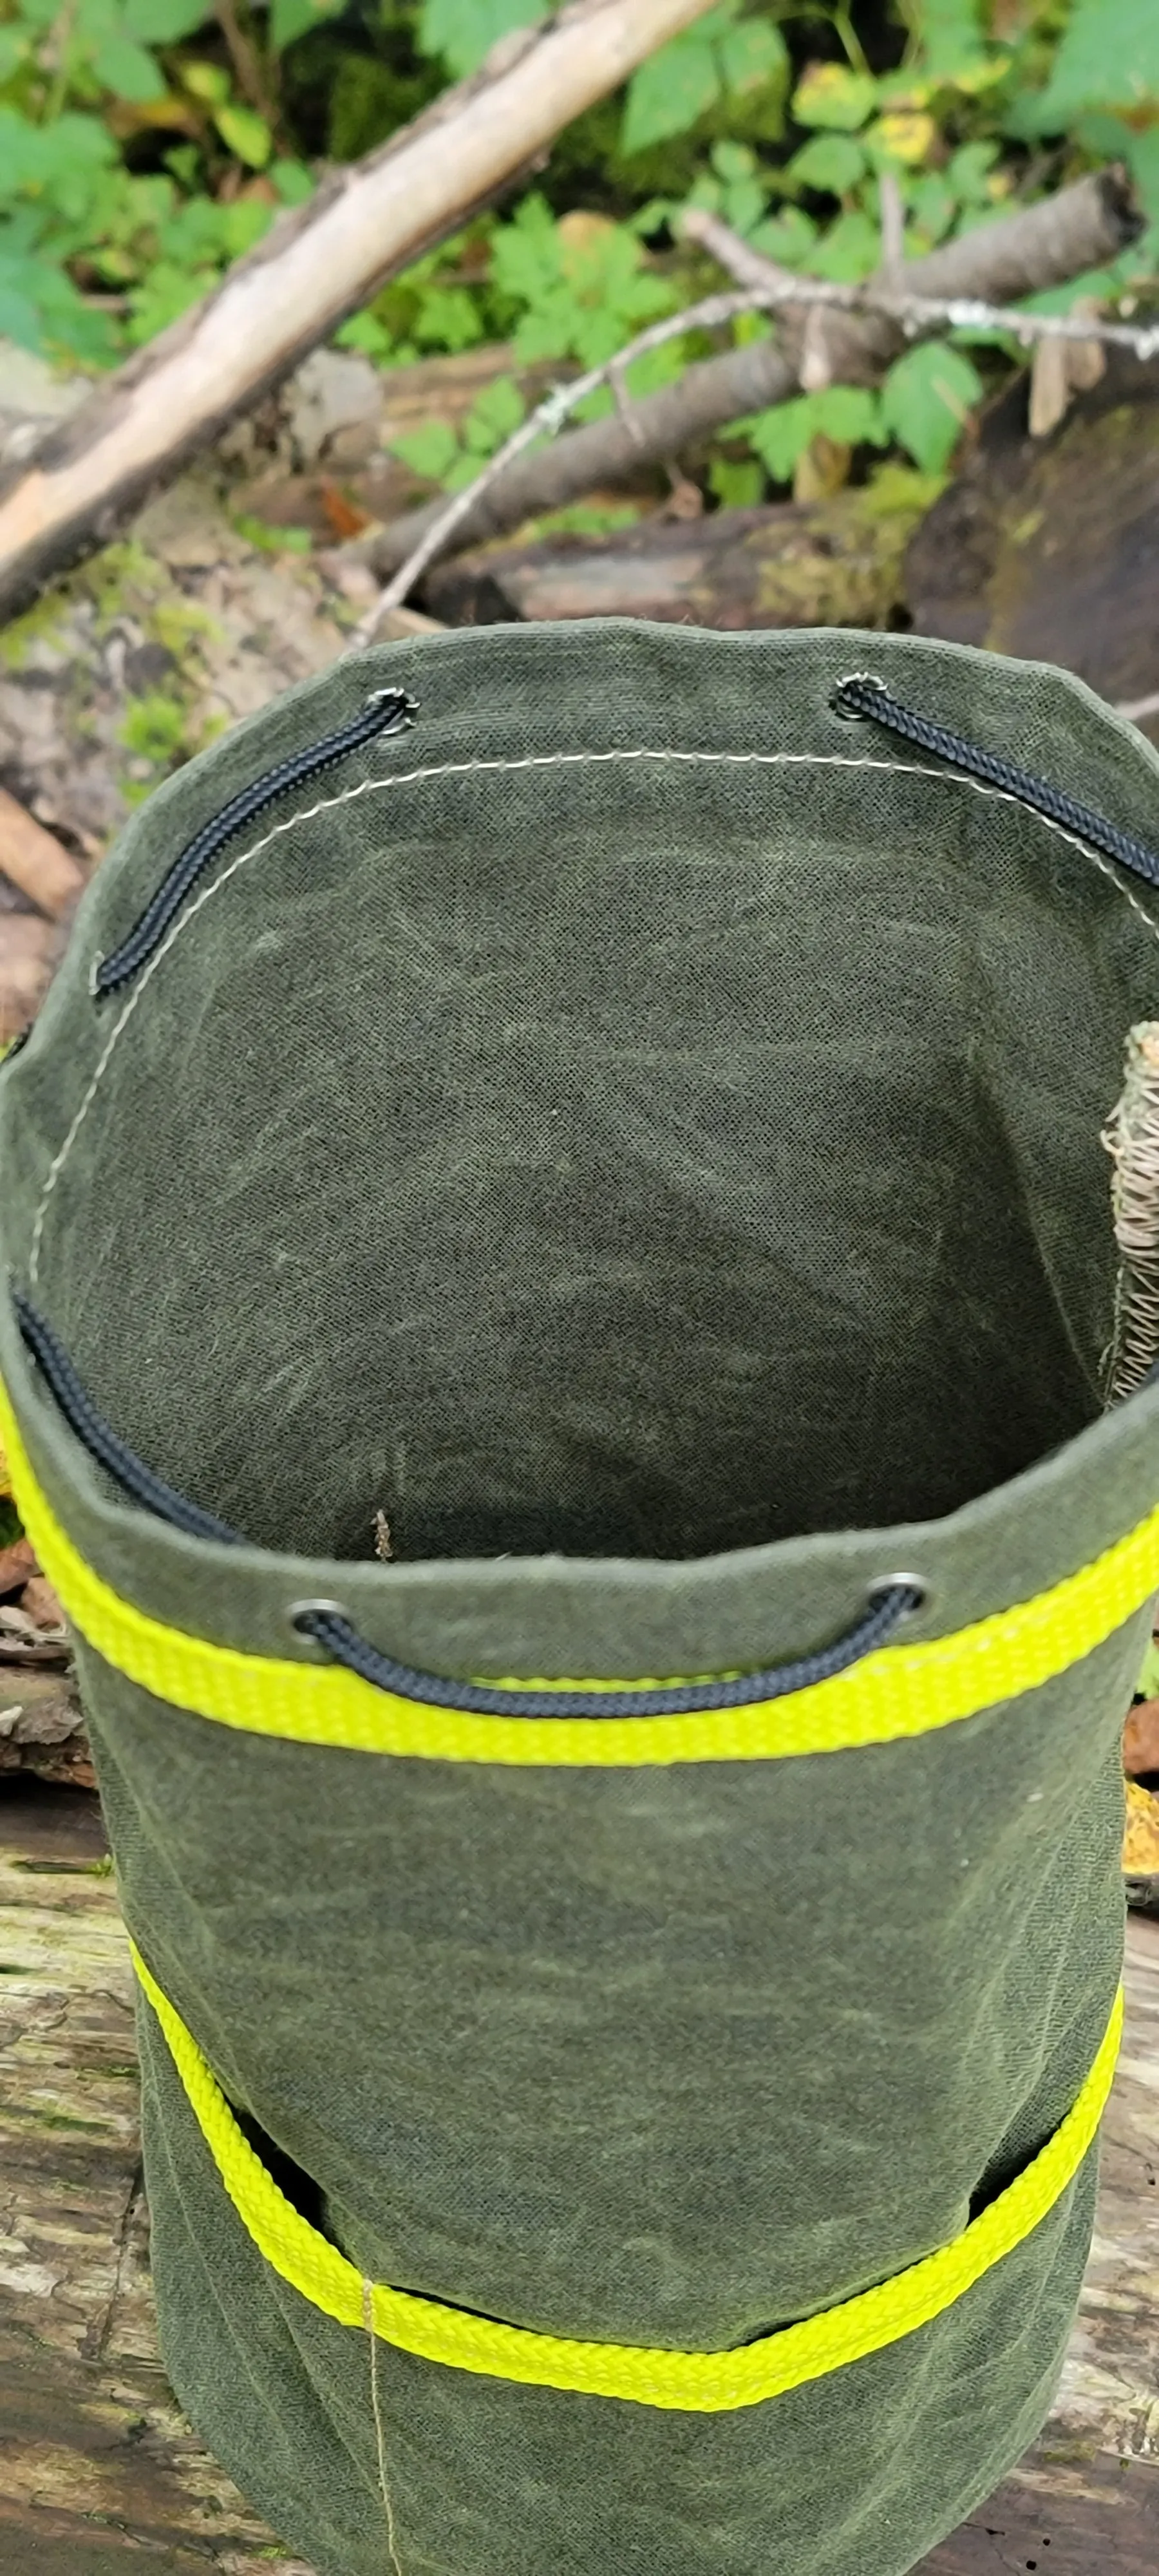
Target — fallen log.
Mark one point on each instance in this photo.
(1017, 255)
(316, 266)
(836, 563)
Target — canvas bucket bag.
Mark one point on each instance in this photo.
(567, 1354)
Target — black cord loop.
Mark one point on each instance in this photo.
(385, 712)
(863, 695)
(329, 1628)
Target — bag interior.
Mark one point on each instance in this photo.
(617, 1160)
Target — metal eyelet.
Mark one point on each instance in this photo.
(299, 1611)
(891, 1582)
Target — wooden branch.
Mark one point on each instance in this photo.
(35, 860)
(316, 266)
(1019, 254)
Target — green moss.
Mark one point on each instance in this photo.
(898, 491)
(38, 624)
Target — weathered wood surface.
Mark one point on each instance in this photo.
(1047, 547)
(96, 2463)
(832, 563)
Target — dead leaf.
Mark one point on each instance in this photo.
(17, 1563)
(343, 516)
(1141, 1739)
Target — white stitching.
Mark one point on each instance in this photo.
(379, 2429)
(531, 760)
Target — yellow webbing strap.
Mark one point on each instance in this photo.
(704, 2383)
(898, 1691)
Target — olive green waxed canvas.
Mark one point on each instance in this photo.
(641, 1133)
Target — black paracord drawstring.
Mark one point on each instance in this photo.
(862, 695)
(889, 1601)
(387, 711)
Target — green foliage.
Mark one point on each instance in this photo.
(847, 414)
(1108, 56)
(441, 455)
(581, 287)
(463, 31)
(722, 55)
(926, 401)
(136, 163)
(271, 540)
(290, 19)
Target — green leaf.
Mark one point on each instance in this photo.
(463, 31)
(951, 35)
(833, 162)
(290, 19)
(493, 416)
(780, 435)
(430, 451)
(671, 90)
(849, 251)
(293, 182)
(207, 81)
(19, 319)
(364, 331)
(164, 22)
(273, 540)
(127, 70)
(926, 399)
(448, 318)
(849, 414)
(1108, 57)
(246, 134)
(738, 484)
(968, 172)
(789, 237)
(752, 55)
(832, 95)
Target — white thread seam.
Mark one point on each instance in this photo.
(530, 760)
(379, 2429)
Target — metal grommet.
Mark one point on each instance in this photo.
(914, 1583)
(853, 679)
(300, 1611)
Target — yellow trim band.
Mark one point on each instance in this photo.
(703, 2383)
(897, 1692)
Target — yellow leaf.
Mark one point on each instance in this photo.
(904, 136)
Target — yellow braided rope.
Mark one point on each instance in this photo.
(695, 2382)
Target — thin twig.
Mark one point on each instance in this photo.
(915, 314)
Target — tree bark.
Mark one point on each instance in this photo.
(1016, 255)
(315, 267)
